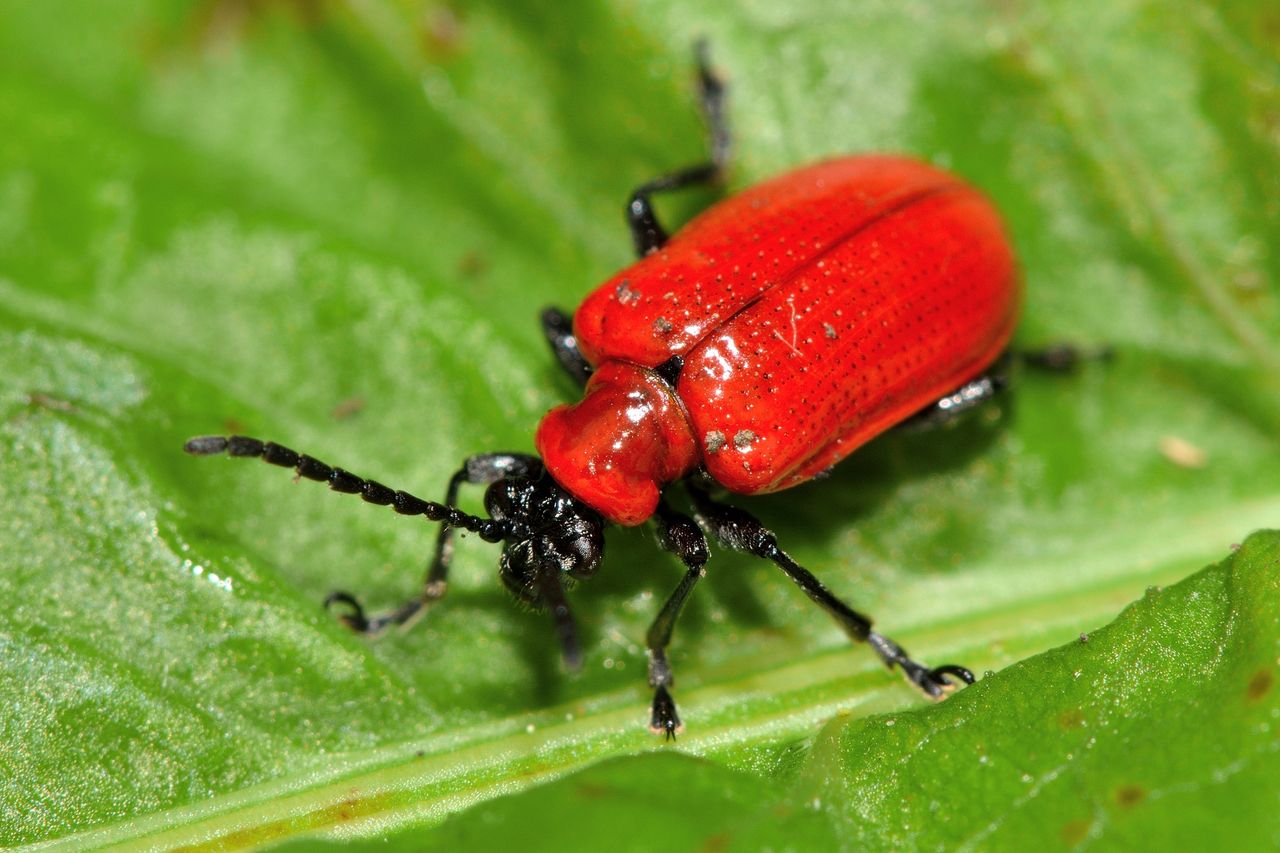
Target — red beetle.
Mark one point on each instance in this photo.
(756, 348)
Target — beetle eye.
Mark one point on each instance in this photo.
(586, 552)
(572, 553)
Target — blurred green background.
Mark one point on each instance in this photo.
(332, 224)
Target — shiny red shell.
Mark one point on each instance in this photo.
(812, 312)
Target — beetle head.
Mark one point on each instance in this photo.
(553, 538)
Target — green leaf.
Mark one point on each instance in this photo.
(333, 224)
(1143, 735)
(1103, 740)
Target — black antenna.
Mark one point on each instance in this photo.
(341, 480)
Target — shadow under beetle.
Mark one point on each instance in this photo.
(760, 345)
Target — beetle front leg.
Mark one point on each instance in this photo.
(646, 232)
(557, 328)
(680, 535)
(477, 470)
(739, 530)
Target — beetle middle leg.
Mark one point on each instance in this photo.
(477, 470)
(680, 535)
(646, 232)
(734, 528)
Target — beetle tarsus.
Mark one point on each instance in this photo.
(664, 720)
(738, 529)
(937, 682)
(961, 672)
(403, 616)
(933, 682)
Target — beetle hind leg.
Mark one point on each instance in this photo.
(1062, 357)
(741, 531)
(1059, 358)
(960, 402)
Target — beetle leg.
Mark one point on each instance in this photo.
(557, 326)
(488, 468)
(551, 593)
(739, 530)
(1056, 358)
(482, 469)
(646, 232)
(680, 535)
(963, 400)
(1062, 358)
(711, 98)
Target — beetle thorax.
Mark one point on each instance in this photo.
(627, 438)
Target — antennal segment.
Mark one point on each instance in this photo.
(341, 480)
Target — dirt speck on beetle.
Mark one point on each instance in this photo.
(713, 441)
(830, 331)
(744, 438)
(662, 326)
(626, 294)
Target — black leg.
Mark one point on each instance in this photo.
(963, 400)
(679, 534)
(741, 531)
(1062, 358)
(646, 232)
(477, 470)
(551, 595)
(1057, 358)
(557, 326)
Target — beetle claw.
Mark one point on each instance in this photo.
(355, 619)
(937, 682)
(945, 672)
